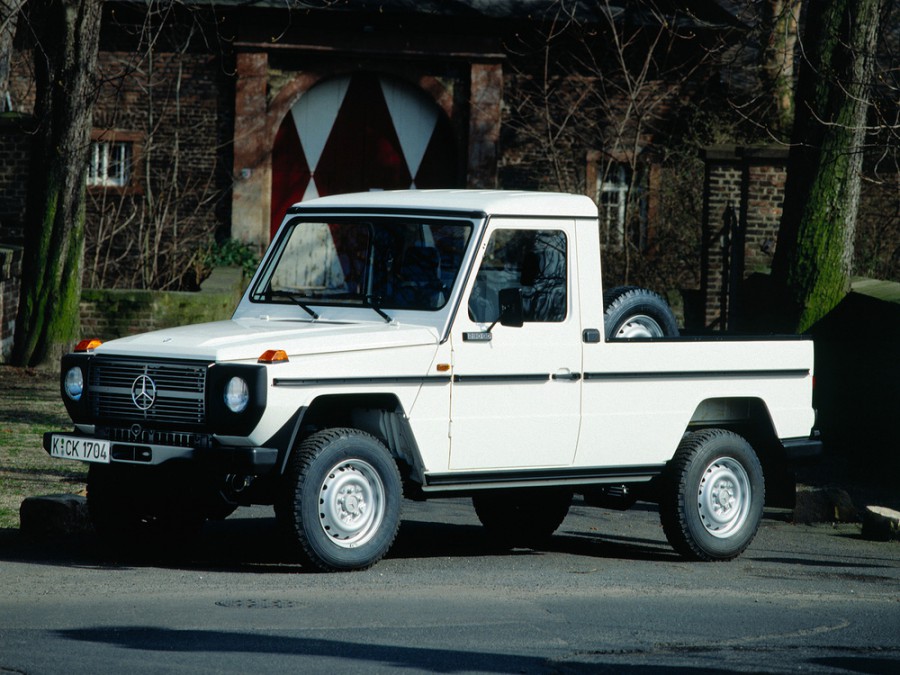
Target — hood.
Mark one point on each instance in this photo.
(246, 339)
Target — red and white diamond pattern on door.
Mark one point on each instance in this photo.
(360, 132)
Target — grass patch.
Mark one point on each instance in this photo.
(31, 405)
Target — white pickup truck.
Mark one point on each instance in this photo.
(442, 343)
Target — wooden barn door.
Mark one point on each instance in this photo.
(360, 132)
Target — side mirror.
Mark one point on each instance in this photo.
(512, 312)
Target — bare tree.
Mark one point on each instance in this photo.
(65, 55)
(155, 236)
(593, 96)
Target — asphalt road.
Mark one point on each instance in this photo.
(608, 596)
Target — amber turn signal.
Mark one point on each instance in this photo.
(88, 345)
(273, 356)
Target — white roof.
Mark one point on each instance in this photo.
(490, 202)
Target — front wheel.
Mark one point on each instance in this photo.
(713, 496)
(342, 500)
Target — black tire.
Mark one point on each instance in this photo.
(143, 508)
(517, 518)
(712, 496)
(632, 312)
(342, 500)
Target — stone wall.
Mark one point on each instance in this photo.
(107, 314)
(110, 314)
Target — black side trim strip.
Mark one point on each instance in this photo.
(568, 474)
(719, 337)
(513, 377)
(330, 381)
(686, 374)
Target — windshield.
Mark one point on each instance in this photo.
(379, 262)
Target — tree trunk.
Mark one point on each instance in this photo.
(811, 269)
(780, 19)
(65, 59)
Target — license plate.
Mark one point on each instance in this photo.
(83, 449)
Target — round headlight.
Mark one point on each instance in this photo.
(74, 384)
(237, 395)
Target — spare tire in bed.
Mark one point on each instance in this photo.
(633, 312)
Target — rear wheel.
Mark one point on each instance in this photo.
(713, 496)
(522, 518)
(342, 500)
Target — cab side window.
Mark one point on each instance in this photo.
(532, 260)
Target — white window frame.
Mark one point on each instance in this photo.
(109, 163)
(612, 202)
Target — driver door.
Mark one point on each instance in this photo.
(516, 391)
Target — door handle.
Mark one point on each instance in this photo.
(567, 375)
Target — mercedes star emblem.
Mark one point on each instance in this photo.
(143, 392)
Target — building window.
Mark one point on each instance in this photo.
(114, 160)
(110, 163)
(612, 200)
(622, 205)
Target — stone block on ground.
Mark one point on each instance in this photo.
(881, 524)
(824, 505)
(54, 514)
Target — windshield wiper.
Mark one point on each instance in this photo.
(295, 298)
(374, 301)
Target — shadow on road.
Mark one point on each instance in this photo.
(252, 544)
(416, 659)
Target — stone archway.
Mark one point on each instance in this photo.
(360, 132)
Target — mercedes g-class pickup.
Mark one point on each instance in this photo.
(435, 343)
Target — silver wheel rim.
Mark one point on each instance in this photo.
(724, 497)
(351, 503)
(639, 326)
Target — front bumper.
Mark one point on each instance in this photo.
(223, 459)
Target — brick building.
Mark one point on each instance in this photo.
(213, 117)
(744, 191)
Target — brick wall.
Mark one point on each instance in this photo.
(14, 153)
(174, 108)
(743, 197)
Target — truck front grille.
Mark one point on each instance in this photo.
(149, 392)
